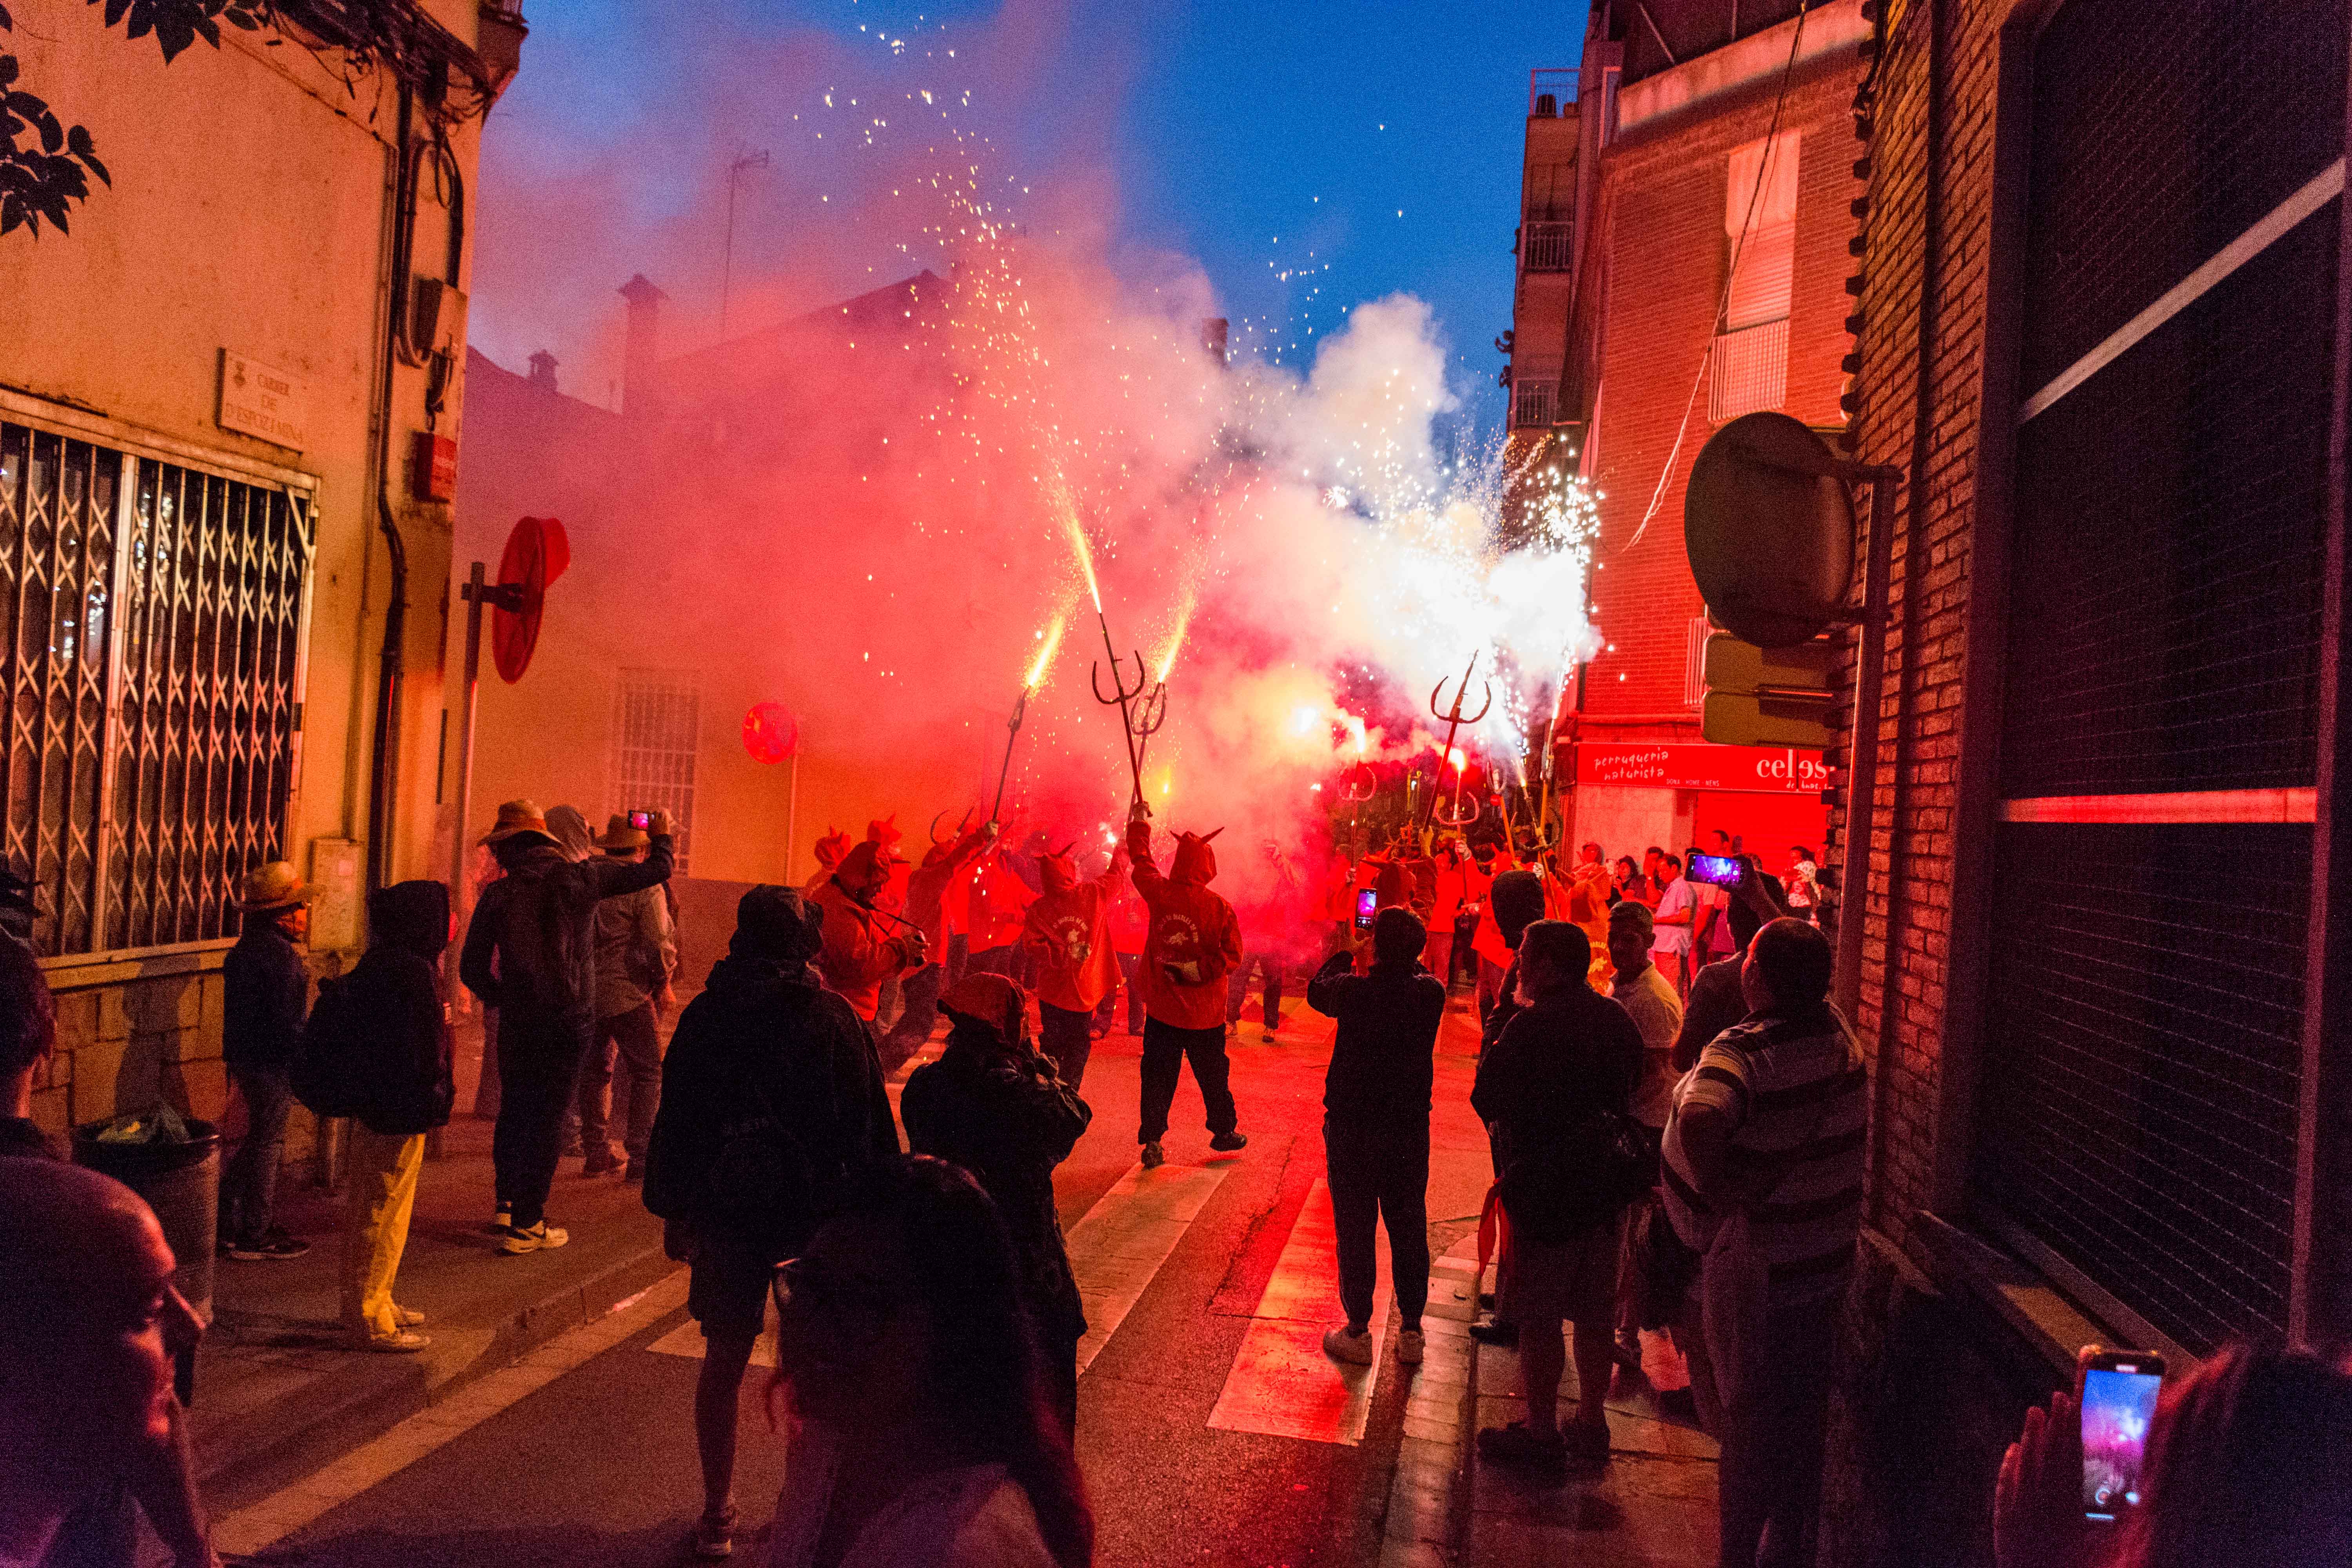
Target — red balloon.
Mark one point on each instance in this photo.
(771, 733)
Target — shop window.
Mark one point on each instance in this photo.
(2159, 728)
(150, 629)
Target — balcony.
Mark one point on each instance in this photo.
(1550, 88)
(1547, 247)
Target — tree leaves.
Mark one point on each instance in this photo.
(177, 23)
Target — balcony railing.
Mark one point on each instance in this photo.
(1548, 247)
(1549, 89)
(1534, 400)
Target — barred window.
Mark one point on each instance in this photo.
(656, 724)
(152, 616)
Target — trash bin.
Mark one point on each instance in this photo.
(180, 1181)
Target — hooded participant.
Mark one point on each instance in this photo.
(1066, 935)
(861, 948)
(1192, 943)
(928, 886)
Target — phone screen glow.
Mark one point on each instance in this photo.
(2118, 1403)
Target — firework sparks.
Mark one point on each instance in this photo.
(1049, 642)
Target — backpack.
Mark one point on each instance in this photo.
(330, 1071)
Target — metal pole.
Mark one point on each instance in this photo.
(1861, 771)
(462, 861)
(793, 815)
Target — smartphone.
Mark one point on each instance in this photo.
(2119, 1390)
(642, 821)
(1722, 870)
(1368, 904)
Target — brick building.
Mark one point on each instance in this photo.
(1712, 214)
(2101, 319)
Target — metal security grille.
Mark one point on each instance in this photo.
(57, 504)
(2159, 719)
(1549, 246)
(152, 620)
(1748, 370)
(2145, 1008)
(1532, 402)
(204, 743)
(656, 723)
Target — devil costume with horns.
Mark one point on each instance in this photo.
(1193, 942)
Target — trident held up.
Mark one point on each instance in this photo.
(1454, 719)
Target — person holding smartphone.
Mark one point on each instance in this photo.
(2247, 1459)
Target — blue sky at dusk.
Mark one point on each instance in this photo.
(1276, 143)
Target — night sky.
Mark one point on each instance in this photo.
(1276, 143)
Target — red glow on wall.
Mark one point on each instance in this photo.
(771, 733)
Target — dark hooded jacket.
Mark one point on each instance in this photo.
(766, 1037)
(404, 1082)
(1001, 1113)
(538, 923)
(1516, 900)
(1194, 940)
(264, 986)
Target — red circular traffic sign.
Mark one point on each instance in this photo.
(536, 554)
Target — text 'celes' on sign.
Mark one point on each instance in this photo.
(1695, 764)
(257, 399)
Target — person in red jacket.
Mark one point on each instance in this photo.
(1131, 922)
(928, 886)
(1068, 937)
(1193, 942)
(861, 949)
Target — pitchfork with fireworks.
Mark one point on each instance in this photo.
(1454, 719)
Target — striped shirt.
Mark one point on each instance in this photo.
(1794, 1087)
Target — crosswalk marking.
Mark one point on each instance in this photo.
(1121, 1244)
(1281, 1382)
(1114, 1251)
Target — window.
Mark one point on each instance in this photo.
(1534, 396)
(1749, 369)
(150, 632)
(656, 725)
(2160, 727)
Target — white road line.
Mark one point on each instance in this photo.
(251, 1530)
(1121, 1244)
(1281, 1382)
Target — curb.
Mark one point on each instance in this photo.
(248, 1458)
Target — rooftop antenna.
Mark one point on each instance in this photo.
(735, 170)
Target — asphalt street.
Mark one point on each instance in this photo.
(596, 1465)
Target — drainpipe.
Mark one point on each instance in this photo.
(384, 749)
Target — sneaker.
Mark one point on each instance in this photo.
(1226, 1142)
(408, 1317)
(400, 1342)
(571, 1150)
(1268, 1038)
(1353, 1346)
(714, 1536)
(541, 1238)
(502, 1223)
(1587, 1444)
(1409, 1347)
(600, 1163)
(1516, 1445)
(274, 1246)
(1153, 1155)
(1494, 1332)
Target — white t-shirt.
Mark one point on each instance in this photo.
(1678, 899)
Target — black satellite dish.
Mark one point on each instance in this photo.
(1769, 526)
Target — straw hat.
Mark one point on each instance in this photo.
(518, 816)
(619, 835)
(274, 886)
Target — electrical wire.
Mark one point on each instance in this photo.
(1722, 303)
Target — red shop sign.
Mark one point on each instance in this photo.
(1697, 764)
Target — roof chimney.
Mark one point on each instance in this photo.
(542, 372)
(1212, 337)
(638, 354)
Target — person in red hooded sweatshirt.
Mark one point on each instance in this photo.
(861, 948)
(1068, 937)
(1193, 942)
(927, 890)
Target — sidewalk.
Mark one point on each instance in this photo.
(276, 1396)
